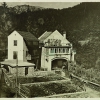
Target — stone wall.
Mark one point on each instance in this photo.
(21, 71)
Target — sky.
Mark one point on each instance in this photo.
(56, 5)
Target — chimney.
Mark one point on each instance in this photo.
(64, 34)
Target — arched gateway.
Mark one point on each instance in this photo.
(56, 50)
(58, 63)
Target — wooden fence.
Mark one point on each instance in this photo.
(23, 91)
(8, 81)
(87, 82)
(20, 89)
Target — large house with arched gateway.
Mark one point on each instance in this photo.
(55, 50)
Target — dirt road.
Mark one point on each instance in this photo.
(92, 93)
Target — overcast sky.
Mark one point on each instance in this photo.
(56, 5)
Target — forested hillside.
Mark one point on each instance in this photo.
(81, 23)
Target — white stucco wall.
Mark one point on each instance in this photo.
(30, 71)
(43, 57)
(20, 48)
(47, 64)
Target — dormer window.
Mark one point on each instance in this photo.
(15, 42)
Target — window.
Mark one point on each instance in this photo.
(63, 50)
(15, 42)
(59, 50)
(67, 50)
(56, 50)
(15, 53)
(26, 70)
(52, 50)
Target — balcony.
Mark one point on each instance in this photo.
(57, 51)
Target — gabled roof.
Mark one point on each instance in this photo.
(47, 34)
(27, 36)
(44, 35)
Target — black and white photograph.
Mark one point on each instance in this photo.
(49, 49)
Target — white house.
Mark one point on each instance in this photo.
(18, 43)
(20, 49)
(56, 50)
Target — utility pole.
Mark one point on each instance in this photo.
(16, 76)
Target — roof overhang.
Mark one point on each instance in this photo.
(57, 46)
(13, 64)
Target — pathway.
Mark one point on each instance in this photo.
(92, 93)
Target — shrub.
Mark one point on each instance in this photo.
(39, 90)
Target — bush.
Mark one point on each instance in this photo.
(50, 77)
(8, 92)
(98, 64)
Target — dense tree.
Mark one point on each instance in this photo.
(81, 23)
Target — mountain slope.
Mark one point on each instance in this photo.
(81, 23)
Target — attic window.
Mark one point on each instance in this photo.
(15, 42)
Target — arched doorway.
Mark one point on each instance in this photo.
(59, 63)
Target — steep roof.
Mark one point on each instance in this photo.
(27, 36)
(47, 34)
(44, 35)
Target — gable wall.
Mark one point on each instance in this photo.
(54, 35)
(57, 35)
(19, 48)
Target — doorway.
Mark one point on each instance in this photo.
(26, 70)
(57, 63)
